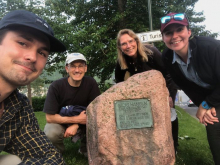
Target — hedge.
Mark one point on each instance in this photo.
(38, 103)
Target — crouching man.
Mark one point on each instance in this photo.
(71, 94)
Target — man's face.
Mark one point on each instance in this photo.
(76, 70)
(176, 37)
(23, 55)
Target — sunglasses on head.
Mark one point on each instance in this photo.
(177, 17)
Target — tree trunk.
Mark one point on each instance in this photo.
(29, 93)
(121, 9)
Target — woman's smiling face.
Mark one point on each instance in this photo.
(128, 45)
(176, 38)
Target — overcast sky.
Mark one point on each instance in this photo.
(211, 10)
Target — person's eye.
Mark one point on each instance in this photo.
(179, 29)
(131, 41)
(168, 33)
(22, 43)
(43, 54)
(123, 44)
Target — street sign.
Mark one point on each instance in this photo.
(151, 36)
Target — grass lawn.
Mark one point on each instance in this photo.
(193, 146)
(71, 154)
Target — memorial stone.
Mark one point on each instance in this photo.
(130, 123)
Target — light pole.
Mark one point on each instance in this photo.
(150, 15)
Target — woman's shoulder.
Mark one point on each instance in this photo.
(153, 49)
(205, 41)
(155, 53)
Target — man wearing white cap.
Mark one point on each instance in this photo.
(74, 90)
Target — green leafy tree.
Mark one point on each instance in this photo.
(91, 26)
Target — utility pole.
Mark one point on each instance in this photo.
(150, 15)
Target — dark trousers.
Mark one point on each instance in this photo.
(213, 135)
(83, 143)
(175, 129)
(175, 125)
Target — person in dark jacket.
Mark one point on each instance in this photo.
(193, 63)
(134, 57)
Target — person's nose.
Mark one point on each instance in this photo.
(31, 55)
(175, 34)
(128, 45)
(77, 69)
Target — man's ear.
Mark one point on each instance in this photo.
(67, 68)
(86, 68)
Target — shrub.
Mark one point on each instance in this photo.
(38, 103)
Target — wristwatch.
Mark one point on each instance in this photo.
(205, 105)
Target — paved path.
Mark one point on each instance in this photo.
(190, 110)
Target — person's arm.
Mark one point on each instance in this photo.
(71, 130)
(119, 74)
(56, 118)
(206, 116)
(213, 55)
(213, 99)
(159, 65)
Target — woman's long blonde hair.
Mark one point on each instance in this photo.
(141, 49)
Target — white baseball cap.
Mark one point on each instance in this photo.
(74, 56)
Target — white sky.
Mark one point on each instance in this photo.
(211, 12)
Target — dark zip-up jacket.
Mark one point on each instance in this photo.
(154, 63)
(205, 52)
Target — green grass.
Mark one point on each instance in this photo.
(193, 147)
(71, 154)
(41, 118)
(193, 150)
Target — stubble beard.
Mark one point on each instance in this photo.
(18, 78)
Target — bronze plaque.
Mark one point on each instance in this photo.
(133, 114)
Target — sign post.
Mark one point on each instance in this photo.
(151, 36)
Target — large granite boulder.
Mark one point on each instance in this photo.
(108, 145)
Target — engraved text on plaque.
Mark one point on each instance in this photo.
(133, 114)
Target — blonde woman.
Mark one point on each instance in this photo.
(134, 57)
